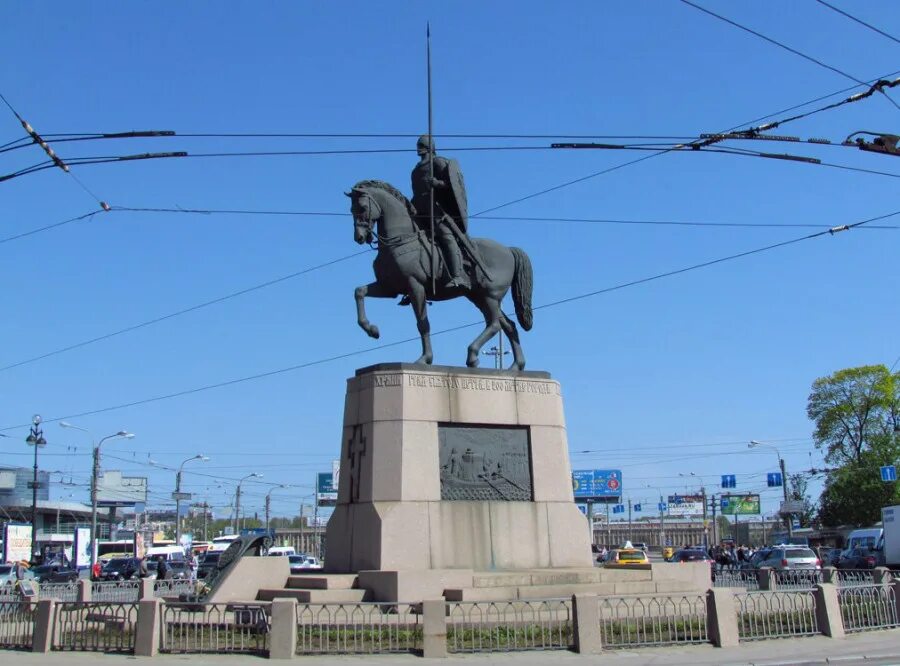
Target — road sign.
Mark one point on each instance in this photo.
(35, 484)
(637, 507)
(181, 497)
(661, 506)
(729, 481)
(774, 480)
(795, 523)
(596, 484)
(888, 473)
(619, 508)
(791, 506)
(583, 509)
(326, 494)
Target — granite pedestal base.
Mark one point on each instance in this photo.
(391, 524)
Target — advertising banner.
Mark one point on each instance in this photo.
(113, 489)
(740, 505)
(140, 545)
(81, 547)
(17, 543)
(685, 505)
(326, 492)
(601, 485)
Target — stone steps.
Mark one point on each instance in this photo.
(322, 582)
(315, 596)
(532, 592)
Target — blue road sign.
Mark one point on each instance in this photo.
(678, 500)
(637, 507)
(589, 484)
(619, 508)
(724, 503)
(774, 480)
(662, 506)
(888, 473)
(729, 481)
(583, 508)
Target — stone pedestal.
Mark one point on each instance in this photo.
(391, 520)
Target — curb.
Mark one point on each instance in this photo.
(827, 660)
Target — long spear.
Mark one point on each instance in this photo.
(430, 163)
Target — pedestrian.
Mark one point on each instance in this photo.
(162, 569)
(95, 571)
(142, 567)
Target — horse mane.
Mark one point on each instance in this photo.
(390, 189)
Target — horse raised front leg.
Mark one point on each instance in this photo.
(373, 290)
(420, 307)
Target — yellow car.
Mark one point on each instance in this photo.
(627, 557)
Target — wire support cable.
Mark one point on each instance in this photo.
(396, 343)
(858, 20)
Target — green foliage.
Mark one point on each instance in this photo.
(851, 407)
(798, 490)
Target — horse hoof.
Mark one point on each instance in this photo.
(472, 362)
(424, 360)
(374, 332)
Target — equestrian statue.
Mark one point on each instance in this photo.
(421, 267)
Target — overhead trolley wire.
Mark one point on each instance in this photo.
(858, 20)
(359, 352)
(783, 46)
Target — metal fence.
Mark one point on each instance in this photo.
(763, 615)
(850, 577)
(95, 626)
(122, 591)
(16, 624)
(59, 591)
(506, 626)
(652, 620)
(173, 588)
(866, 607)
(745, 579)
(189, 627)
(797, 579)
(358, 628)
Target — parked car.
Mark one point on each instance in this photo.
(297, 563)
(179, 570)
(208, 564)
(830, 556)
(311, 563)
(623, 558)
(791, 557)
(694, 555)
(640, 545)
(858, 558)
(752, 565)
(121, 568)
(55, 573)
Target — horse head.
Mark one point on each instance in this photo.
(365, 212)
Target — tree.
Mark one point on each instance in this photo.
(852, 407)
(798, 490)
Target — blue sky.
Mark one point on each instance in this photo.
(661, 379)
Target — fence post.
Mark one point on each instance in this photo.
(766, 578)
(85, 588)
(895, 590)
(721, 617)
(882, 576)
(830, 575)
(146, 635)
(42, 636)
(283, 633)
(434, 628)
(586, 623)
(146, 589)
(828, 610)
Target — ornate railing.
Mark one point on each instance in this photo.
(797, 579)
(16, 624)
(123, 591)
(94, 626)
(506, 626)
(776, 614)
(192, 627)
(865, 607)
(851, 577)
(745, 579)
(358, 628)
(59, 591)
(635, 621)
(173, 588)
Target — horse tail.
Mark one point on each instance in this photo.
(523, 283)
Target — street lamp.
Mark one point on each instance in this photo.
(784, 480)
(269, 502)
(497, 352)
(35, 439)
(178, 495)
(237, 501)
(95, 473)
(662, 518)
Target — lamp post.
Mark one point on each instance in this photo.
(177, 495)
(35, 439)
(237, 501)
(95, 473)
(662, 518)
(784, 480)
(497, 352)
(269, 502)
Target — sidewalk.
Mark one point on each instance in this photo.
(871, 648)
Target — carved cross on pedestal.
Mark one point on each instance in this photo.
(356, 448)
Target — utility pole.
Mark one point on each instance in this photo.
(35, 439)
(497, 352)
(784, 488)
(705, 532)
(629, 519)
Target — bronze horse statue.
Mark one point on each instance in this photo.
(403, 266)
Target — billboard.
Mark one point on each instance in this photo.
(597, 484)
(81, 547)
(113, 489)
(16, 542)
(685, 505)
(326, 490)
(740, 505)
(7, 479)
